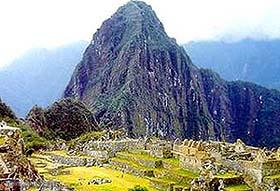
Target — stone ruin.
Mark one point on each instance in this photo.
(160, 149)
(206, 157)
(15, 168)
(209, 158)
(254, 164)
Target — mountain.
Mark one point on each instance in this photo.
(135, 77)
(39, 76)
(251, 60)
(65, 119)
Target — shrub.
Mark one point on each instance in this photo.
(138, 188)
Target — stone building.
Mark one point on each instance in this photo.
(192, 154)
(161, 149)
(253, 163)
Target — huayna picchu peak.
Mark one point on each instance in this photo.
(135, 77)
(137, 113)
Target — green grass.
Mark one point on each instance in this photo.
(137, 155)
(237, 188)
(168, 181)
(172, 175)
(80, 176)
(276, 176)
(164, 176)
(94, 135)
(172, 161)
(32, 139)
(185, 173)
(136, 165)
(2, 140)
(57, 152)
(227, 175)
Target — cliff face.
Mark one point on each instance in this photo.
(134, 76)
(242, 110)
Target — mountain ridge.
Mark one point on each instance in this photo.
(135, 77)
(39, 76)
(248, 59)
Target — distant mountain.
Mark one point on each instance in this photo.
(38, 77)
(256, 61)
(135, 77)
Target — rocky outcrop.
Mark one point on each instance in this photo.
(64, 119)
(135, 77)
(36, 119)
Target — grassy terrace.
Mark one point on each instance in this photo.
(80, 176)
(227, 175)
(238, 188)
(277, 176)
(170, 173)
(138, 155)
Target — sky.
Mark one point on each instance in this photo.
(27, 24)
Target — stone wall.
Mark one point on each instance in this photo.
(99, 155)
(113, 147)
(73, 161)
(161, 149)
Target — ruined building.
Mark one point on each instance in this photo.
(15, 169)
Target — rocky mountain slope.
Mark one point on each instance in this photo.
(39, 76)
(64, 119)
(134, 76)
(251, 60)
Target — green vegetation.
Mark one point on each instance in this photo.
(238, 188)
(2, 140)
(144, 176)
(80, 176)
(227, 175)
(32, 139)
(93, 135)
(138, 188)
(139, 155)
(64, 119)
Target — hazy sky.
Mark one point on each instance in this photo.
(27, 24)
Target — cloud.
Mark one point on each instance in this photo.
(48, 23)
